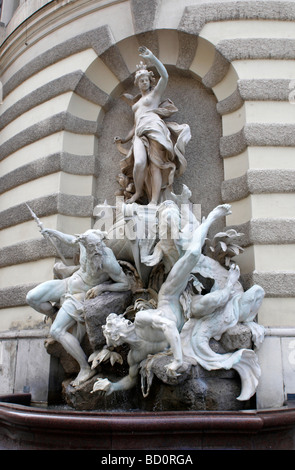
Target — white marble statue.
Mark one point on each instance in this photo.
(213, 314)
(166, 247)
(184, 324)
(158, 147)
(99, 271)
(174, 230)
(155, 330)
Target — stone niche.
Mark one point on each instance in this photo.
(195, 389)
(197, 107)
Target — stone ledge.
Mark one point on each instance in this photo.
(264, 89)
(88, 90)
(76, 82)
(232, 145)
(256, 48)
(14, 296)
(37, 428)
(254, 90)
(25, 252)
(275, 284)
(32, 250)
(69, 163)
(99, 39)
(58, 203)
(194, 18)
(281, 332)
(40, 95)
(276, 135)
(20, 334)
(258, 182)
(266, 232)
(58, 122)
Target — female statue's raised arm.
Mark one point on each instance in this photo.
(146, 54)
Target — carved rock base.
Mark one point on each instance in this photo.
(81, 398)
(214, 390)
(196, 389)
(203, 390)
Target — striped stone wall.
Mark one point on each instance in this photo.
(61, 71)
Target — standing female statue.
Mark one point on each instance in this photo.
(157, 152)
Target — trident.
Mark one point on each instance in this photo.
(45, 235)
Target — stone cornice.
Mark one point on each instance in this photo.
(100, 40)
(195, 17)
(75, 81)
(255, 90)
(257, 135)
(258, 181)
(78, 206)
(68, 163)
(275, 284)
(51, 125)
(29, 24)
(256, 48)
(31, 250)
(277, 231)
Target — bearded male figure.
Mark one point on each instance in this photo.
(98, 267)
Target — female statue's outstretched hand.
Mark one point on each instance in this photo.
(145, 53)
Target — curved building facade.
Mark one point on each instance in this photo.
(64, 64)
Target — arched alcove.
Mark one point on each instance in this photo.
(197, 107)
(74, 99)
(201, 84)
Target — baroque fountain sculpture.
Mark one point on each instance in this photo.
(172, 294)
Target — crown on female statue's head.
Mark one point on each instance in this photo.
(141, 69)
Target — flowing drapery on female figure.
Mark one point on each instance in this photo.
(157, 152)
